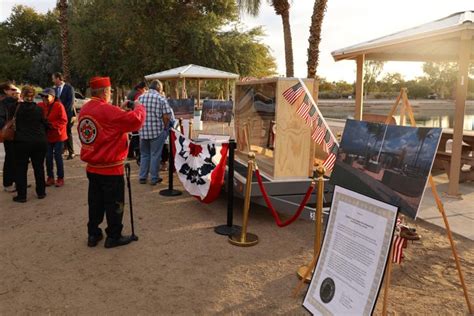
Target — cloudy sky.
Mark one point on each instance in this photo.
(346, 23)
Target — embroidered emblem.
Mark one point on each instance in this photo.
(87, 131)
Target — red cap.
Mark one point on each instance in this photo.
(99, 82)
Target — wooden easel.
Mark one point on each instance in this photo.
(406, 109)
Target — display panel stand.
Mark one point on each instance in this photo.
(406, 109)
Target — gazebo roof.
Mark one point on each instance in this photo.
(192, 71)
(434, 41)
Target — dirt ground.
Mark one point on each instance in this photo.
(180, 266)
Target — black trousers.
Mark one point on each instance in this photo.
(9, 164)
(69, 142)
(25, 151)
(106, 195)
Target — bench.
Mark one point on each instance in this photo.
(443, 160)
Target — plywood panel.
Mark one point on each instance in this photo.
(293, 136)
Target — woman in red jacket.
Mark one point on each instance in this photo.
(56, 115)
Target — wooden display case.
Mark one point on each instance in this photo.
(278, 136)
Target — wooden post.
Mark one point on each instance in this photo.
(176, 89)
(227, 90)
(359, 101)
(184, 93)
(461, 91)
(387, 280)
(198, 94)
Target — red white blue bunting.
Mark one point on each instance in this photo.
(200, 166)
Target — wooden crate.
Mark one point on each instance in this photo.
(260, 105)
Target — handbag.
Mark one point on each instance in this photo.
(8, 130)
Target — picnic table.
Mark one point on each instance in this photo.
(443, 155)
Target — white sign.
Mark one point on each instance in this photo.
(349, 272)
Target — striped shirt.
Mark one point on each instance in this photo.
(156, 106)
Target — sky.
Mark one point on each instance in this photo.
(347, 22)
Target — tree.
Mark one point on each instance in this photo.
(372, 70)
(391, 82)
(62, 7)
(22, 36)
(133, 40)
(282, 8)
(319, 10)
(46, 62)
(442, 77)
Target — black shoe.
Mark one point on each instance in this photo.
(92, 241)
(41, 196)
(19, 199)
(117, 242)
(70, 156)
(142, 181)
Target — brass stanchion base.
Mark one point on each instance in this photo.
(301, 273)
(250, 240)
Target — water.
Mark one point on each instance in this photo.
(428, 113)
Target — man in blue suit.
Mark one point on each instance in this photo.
(65, 93)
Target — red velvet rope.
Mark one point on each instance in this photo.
(270, 206)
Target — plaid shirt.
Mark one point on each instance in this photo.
(156, 106)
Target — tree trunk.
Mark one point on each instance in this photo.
(315, 36)
(63, 23)
(285, 17)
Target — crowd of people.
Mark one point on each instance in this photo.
(43, 133)
(40, 129)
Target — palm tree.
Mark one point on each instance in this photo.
(282, 8)
(62, 7)
(315, 36)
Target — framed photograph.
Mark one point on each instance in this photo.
(389, 163)
(217, 111)
(354, 253)
(182, 108)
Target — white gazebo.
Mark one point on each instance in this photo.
(448, 39)
(194, 72)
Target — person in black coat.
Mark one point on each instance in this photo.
(8, 102)
(65, 93)
(30, 143)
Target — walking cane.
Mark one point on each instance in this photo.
(127, 173)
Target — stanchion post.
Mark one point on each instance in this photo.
(170, 191)
(229, 229)
(244, 239)
(305, 272)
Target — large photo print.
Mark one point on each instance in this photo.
(389, 163)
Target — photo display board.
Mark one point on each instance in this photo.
(182, 108)
(217, 111)
(389, 163)
(349, 272)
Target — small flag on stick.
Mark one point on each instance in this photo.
(293, 93)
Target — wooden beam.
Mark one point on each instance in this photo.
(184, 93)
(199, 94)
(461, 92)
(227, 90)
(359, 102)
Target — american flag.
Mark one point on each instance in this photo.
(398, 243)
(312, 113)
(329, 162)
(319, 132)
(327, 140)
(293, 93)
(303, 110)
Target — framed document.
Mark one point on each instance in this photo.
(351, 264)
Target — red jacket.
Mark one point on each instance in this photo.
(103, 132)
(57, 118)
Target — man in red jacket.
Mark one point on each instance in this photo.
(103, 130)
(54, 112)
